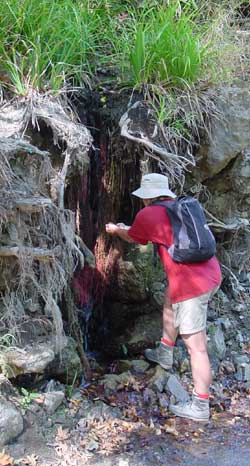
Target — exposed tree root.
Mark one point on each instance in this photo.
(38, 238)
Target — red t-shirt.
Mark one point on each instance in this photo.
(186, 281)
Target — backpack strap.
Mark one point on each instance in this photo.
(155, 245)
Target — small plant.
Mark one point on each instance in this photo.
(70, 387)
(27, 397)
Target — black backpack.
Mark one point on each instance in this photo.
(193, 239)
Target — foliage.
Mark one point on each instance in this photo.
(71, 386)
(27, 397)
(166, 47)
(47, 44)
(44, 43)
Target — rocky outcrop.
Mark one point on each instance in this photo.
(230, 134)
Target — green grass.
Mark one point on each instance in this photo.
(42, 44)
(166, 48)
(45, 44)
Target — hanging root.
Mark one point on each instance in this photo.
(168, 124)
(39, 249)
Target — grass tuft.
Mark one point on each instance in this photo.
(44, 45)
(166, 48)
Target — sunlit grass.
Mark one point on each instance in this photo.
(45, 44)
(167, 49)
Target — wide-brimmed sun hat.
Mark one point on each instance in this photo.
(153, 185)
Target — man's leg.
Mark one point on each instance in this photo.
(201, 371)
(191, 318)
(169, 332)
(163, 354)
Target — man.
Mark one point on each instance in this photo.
(186, 300)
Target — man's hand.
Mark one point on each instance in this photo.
(120, 230)
(123, 226)
(112, 228)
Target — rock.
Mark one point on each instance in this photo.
(98, 410)
(130, 286)
(55, 358)
(6, 388)
(159, 379)
(158, 299)
(32, 359)
(92, 446)
(240, 358)
(123, 365)
(66, 365)
(175, 388)
(240, 173)
(139, 365)
(239, 337)
(110, 381)
(145, 333)
(163, 400)
(119, 314)
(230, 136)
(185, 366)
(52, 400)
(225, 323)
(11, 422)
(243, 372)
(226, 367)
(136, 277)
(181, 357)
(216, 342)
(149, 396)
(60, 418)
(54, 386)
(158, 292)
(158, 286)
(123, 463)
(76, 395)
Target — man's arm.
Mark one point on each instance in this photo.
(120, 230)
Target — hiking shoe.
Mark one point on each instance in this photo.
(162, 355)
(196, 409)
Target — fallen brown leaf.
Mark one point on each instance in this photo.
(30, 460)
(169, 428)
(39, 400)
(5, 459)
(62, 434)
(75, 403)
(246, 348)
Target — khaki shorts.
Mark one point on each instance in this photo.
(190, 316)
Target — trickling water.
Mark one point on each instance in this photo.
(87, 313)
(100, 196)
